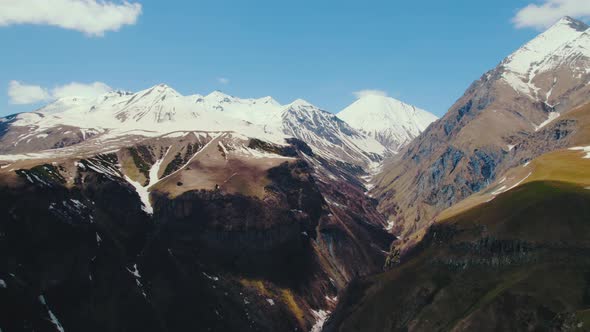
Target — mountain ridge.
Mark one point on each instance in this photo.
(464, 151)
(161, 109)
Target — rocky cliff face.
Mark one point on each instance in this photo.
(468, 148)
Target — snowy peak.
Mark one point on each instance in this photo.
(565, 31)
(219, 97)
(380, 112)
(268, 100)
(564, 47)
(390, 121)
(328, 135)
(300, 103)
(301, 112)
(572, 23)
(159, 91)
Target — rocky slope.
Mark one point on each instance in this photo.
(391, 122)
(517, 262)
(526, 97)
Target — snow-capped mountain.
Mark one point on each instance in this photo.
(390, 121)
(515, 112)
(560, 53)
(161, 109)
(328, 134)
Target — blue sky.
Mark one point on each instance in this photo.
(422, 52)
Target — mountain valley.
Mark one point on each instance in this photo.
(154, 211)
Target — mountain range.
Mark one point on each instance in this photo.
(154, 211)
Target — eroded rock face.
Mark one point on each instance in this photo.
(248, 234)
(77, 233)
(65, 253)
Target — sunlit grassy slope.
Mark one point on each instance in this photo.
(569, 166)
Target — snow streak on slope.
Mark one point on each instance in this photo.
(389, 121)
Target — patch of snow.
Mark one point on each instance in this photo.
(223, 149)
(52, 318)
(79, 165)
(270, 301)
(518, 84)
(548, 95)
(176, 134)
(144, 195)
(390, 224)
(155, 169)
(552, 116)
(321, 316)
(253, 153)
(55, 321)
(135, 271)
(100, 167)
(334, 203)
(79, 205)
(499, 191)
(28, 156)
(2, 283)
(214, 278)
(140, 286)
(332, 299)
(585, 149)
(504, 189)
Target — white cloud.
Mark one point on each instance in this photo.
(223, 80)
(364, 93)
(21, 94)
(81, 90)
(93, 17)
(543, 15)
